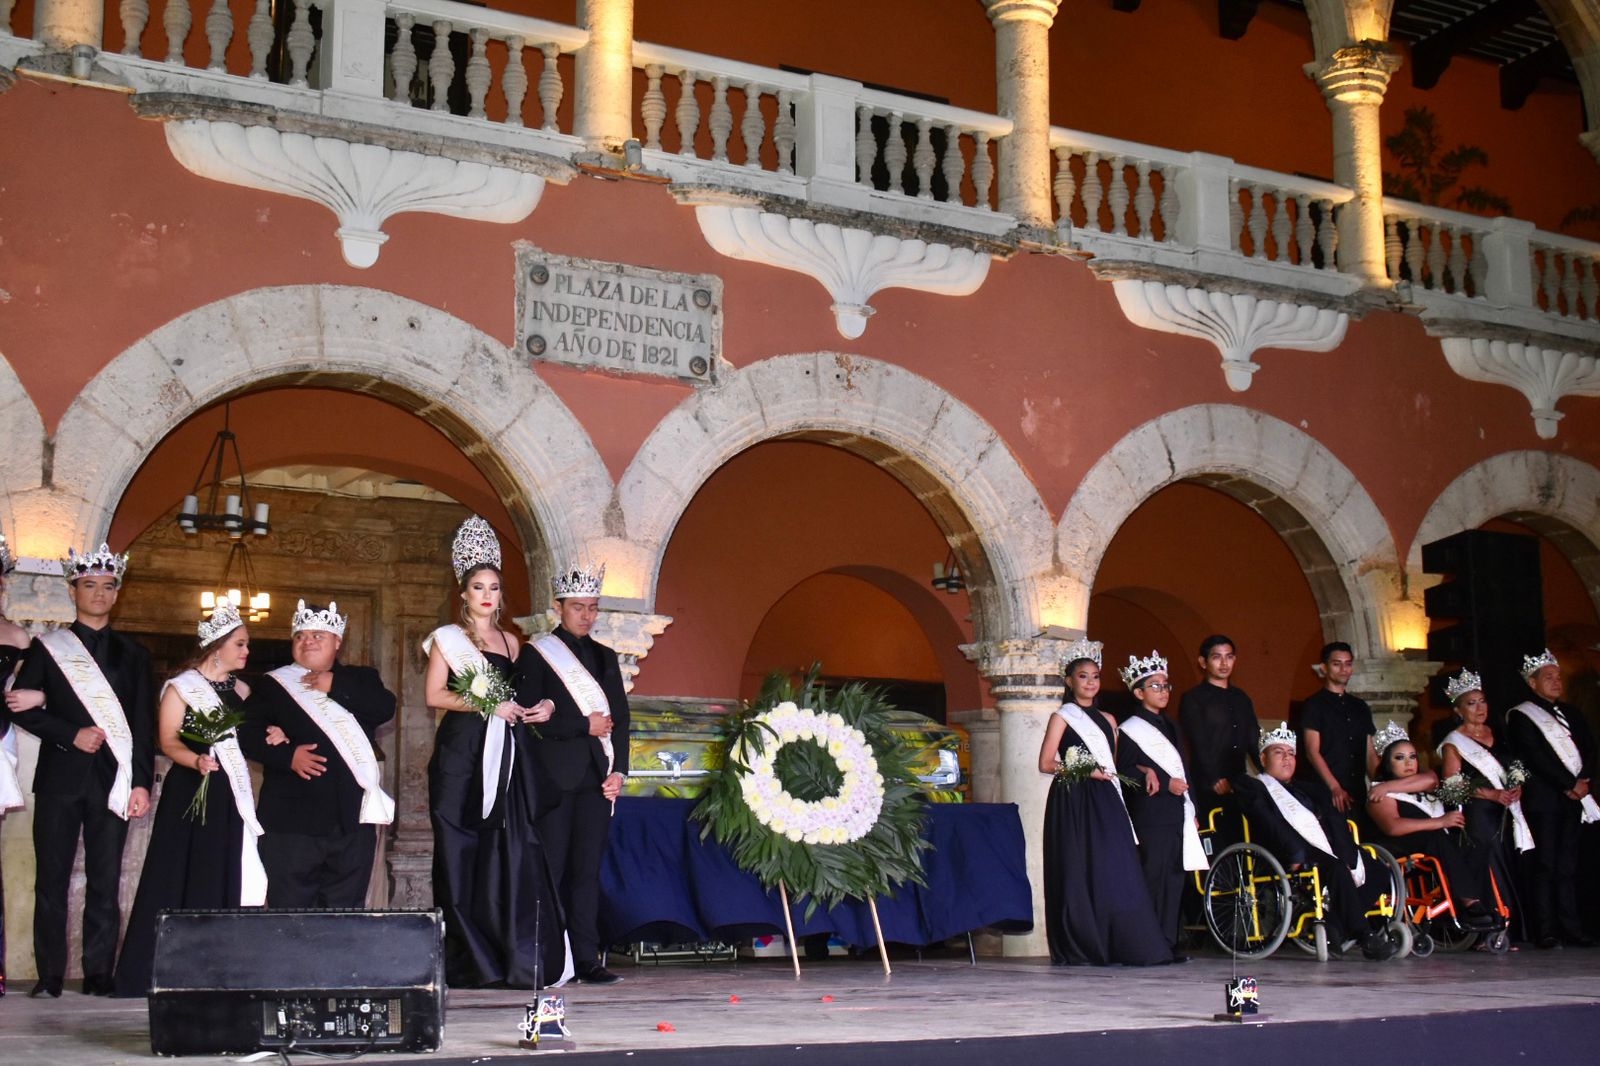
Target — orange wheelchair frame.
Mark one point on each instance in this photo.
(1430, 908)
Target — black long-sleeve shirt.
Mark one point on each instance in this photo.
(1223, 734)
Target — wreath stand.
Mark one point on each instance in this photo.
(794, 953)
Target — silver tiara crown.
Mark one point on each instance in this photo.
(1532, 664)
(475, 546)
(1138, 669)
(8, 562)
(329, 621)
(1281, 735)
(1464, 682)
(224, 620)
(104, 561)
(1391, 733)
(1082, 648)
(580, 581)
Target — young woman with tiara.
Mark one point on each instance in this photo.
(503, 924)
(202, 852)
(1097, 908)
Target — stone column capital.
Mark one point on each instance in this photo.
(1042, 12)
(1391, 686)
(1356, 74)
(36, 597)
(1020, 669)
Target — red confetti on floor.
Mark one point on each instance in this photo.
(666, 1027)
(827, 999)
(733, 999)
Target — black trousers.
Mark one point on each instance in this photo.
(310, 871)
(57, 823)
(1553, 878)
(1161, 857)
(574, 835)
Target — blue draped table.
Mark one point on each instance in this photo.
(660, 882)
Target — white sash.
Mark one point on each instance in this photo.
(349, 740)
(10, 788)
(1095, 742)
(585, 690)
(1560, 741)
(1154, 744)
(89, 684)
(1482, 760)
(1429, 805)
(463, 656)
(198, 693)
(1304, 822)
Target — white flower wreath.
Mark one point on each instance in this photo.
(840, 819)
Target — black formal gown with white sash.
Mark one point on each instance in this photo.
(1097, 908)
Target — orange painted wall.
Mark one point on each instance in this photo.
(1191, 562)
(851, 626)
(771, 520)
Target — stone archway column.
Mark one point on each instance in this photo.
(603, 79)
(1392, 687)
(631, 634)
(1022, 72)
(1353, 80)
(60, 24)
(1025, 680)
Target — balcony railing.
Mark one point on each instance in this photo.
(431, 68)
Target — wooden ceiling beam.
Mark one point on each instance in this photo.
(1233, 17)
(1520, 77)
(1431, 55)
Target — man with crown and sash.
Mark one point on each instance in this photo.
(1162, 812)
(502, 918)
(203, 852)
(583, 755)
(1301, 828)
(85, 691)
(321, 792)
(14, 642)
(1555, 743)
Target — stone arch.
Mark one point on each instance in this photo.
(1321, 511)
(21, 454)
(931, 442)
(440, 368)
(1554, 495)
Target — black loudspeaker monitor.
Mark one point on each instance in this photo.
(240, 981)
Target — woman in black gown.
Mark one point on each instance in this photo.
(1412, 822)
(13, 642)
(1495, 821)
(503, 922)
(197, 861)
(1097, 908)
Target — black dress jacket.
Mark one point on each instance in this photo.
(63, 769)
(1548, 777)
(564, 745)
(1223, 734)
(328, 805)
(1163, 810)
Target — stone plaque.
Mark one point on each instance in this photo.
(616, 317)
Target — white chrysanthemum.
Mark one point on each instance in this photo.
(839, 819)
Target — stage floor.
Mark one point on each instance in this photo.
(942, 1000)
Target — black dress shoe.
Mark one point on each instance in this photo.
(595, 974)
(98, 985)
(1545, 943)
(46, 986)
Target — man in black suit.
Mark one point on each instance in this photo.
(1555, 743)
(1163, 817)
(86, 692)
(321, 799)
(583, 757)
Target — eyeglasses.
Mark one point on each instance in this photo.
(1159, 686)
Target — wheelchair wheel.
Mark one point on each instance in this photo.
(1499, 942)
(1319, 939)
(1422, 946)
(1247, 901)
(1405, 941)
(1450, 937)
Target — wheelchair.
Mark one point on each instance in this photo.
(1252, 905)
(1430, 909)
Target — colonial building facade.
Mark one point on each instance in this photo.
(777, 342)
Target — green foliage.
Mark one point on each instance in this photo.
(1428, 172)
(822, 874)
